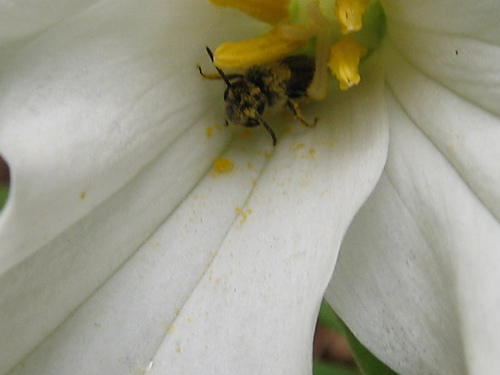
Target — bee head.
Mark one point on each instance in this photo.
(245, 103)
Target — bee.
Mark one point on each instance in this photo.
(276, 84)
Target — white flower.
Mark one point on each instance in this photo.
(121, 253)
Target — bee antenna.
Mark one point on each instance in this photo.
(271, 131)
(210, 53)
(221, 73)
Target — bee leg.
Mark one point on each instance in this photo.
(208, 75)
(295, 109)
(268, 128)
(230, 77)
(217, 76)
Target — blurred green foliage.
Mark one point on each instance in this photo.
(4, 192)
(367, 362)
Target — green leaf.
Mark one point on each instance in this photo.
(323, 368)
(367, 362)
(4, 192)
(328, 317)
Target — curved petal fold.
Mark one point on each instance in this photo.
(421, 258)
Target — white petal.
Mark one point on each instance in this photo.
(213, 292)
(474, 19)
(467, 135)
(466, 66)
(88, 110)
(21, 18)
(421, 259)
(113, 94)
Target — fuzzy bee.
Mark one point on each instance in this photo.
(275, 84)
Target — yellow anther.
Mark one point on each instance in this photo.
(344, 61)
(349, 13)
(276, 44)
(270, 11)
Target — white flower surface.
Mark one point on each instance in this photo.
(122, 252)
(417, 277)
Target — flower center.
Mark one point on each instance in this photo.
(320, 33)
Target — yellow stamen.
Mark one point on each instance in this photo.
(349, 13)
(344, 61)
(278, 43)
(270, 11)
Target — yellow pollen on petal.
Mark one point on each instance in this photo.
(276, 44)
(344, 61)
(270, 11)
(222, 165)
(349, 13)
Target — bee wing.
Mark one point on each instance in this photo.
(302, 68)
